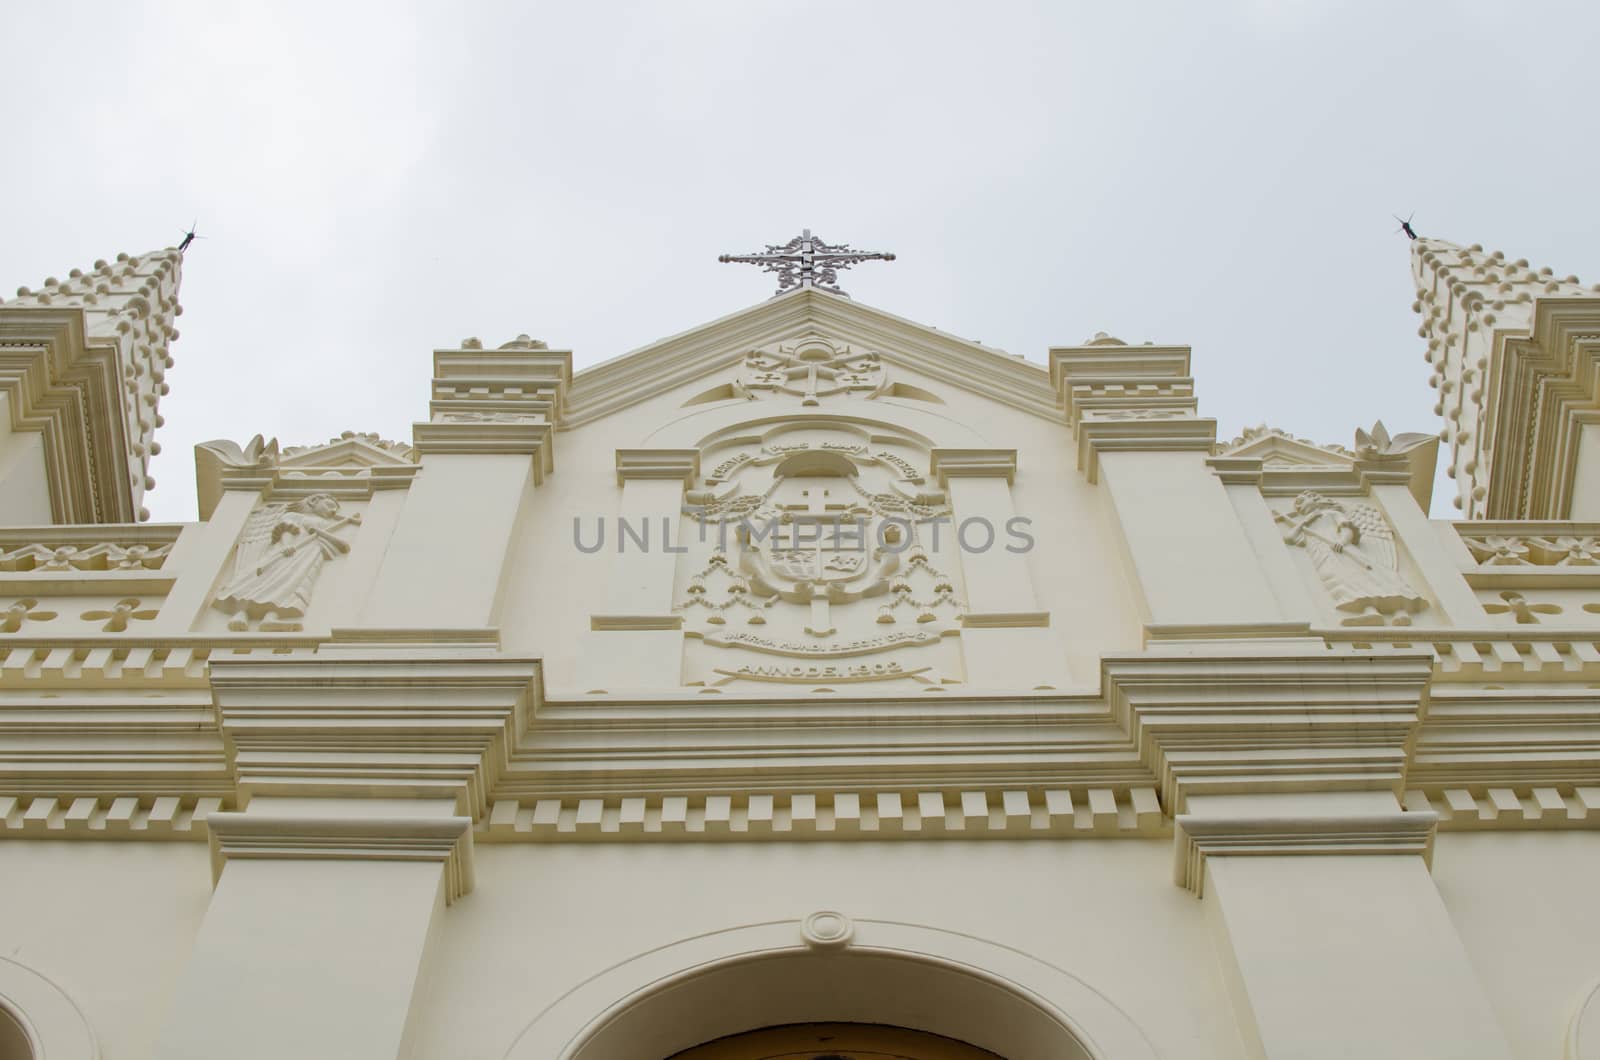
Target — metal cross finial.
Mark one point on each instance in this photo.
(806, 261)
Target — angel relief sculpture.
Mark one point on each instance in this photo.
(1352, 549)
(280, 554)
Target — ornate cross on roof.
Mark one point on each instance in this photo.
(806, 261)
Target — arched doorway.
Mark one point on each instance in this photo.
(953, 989)
(835, 1041)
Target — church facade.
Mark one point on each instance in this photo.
(812, 683)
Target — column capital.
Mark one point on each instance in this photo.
(357, 837)
(401, 722)
(1265, 711)
(946, 464)
(1133, 431)
(639, 464)
(1198, 836)
(488, 433)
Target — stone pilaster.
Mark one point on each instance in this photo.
(316, 937)
(363, 768)
(1333, 939)
(637, 641)
(487, 444)
(1132, 411)
(1005, 639)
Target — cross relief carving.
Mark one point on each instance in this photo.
(811, 371)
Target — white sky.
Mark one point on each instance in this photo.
(375, 182)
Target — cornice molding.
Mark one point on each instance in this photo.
(276, 837)
(520, 379)
(1216, 720)
(364, 719)
(682, 464)
(1351, 480)
(1198, 837)
(1111, 362)
(1098, 436)
(109, 717)
(945, 464)
(489, 436)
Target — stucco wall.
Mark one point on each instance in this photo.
(1527, 907)
(543, 918)
(111, 923)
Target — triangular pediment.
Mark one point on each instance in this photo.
(349, 466)
(622, 382)
(349, 450)
(1277, 448)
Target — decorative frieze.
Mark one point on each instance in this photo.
(129, 660)
(1510, 550)
(105, 556)
(830, 815)
(1487, 809)
(107, 816)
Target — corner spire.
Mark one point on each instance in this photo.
(1470, 300)
(130, 304)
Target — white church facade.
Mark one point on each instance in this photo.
(810, 684)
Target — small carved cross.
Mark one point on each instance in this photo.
(806, 261)
(12, 618)
(816, 502)
(116, 619)
(1517, 604)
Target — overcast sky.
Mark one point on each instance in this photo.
(372, 183)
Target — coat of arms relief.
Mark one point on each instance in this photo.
(818, 553)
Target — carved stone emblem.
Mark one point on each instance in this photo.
(1352, 549)
(823, 538)
(280, 554)
(811, 370)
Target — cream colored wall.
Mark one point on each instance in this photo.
(24, 487)
(1075, 564)
(112, 923)
(1586, 477)
(1526, 908)
(543, 918)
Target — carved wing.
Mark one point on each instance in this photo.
(1377, 539)
(256, 539)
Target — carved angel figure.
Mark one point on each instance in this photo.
(280, 554)
(1353, 550)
